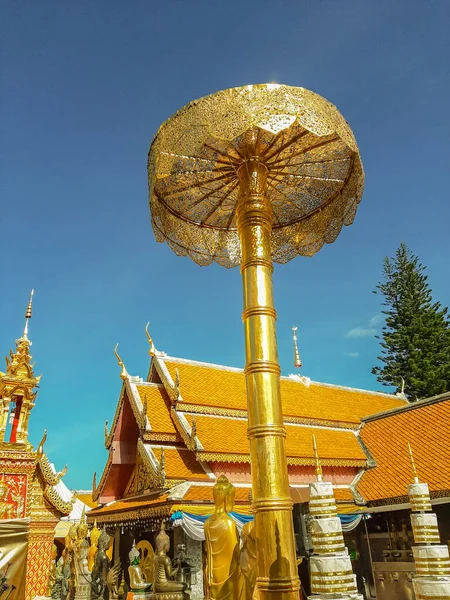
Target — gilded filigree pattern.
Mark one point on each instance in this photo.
(315, 174)
(50, 477)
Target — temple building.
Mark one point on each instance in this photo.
(31, 504)
(175, 433)
(425, 426)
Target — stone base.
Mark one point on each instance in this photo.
(170, 596)
(337, 597)
(139, 596)
(83, 591)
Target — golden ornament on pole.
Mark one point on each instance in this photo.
(250, 176)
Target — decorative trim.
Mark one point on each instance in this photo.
(160, 437)
(55, 500)
(203, 409)
(291, 460)
(48, 474)
(130, 515)
(112, 431)
(98, 489)
(394, 500)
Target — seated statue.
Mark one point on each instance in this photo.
(138, 582)
(166, 587)
(224, 574)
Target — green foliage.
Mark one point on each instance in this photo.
(415, 339)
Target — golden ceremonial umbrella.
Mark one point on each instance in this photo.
(248, 176)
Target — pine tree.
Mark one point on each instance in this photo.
(415, 339)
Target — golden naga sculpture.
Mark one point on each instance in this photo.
(165, 585)
(225, 580)
(138, 583)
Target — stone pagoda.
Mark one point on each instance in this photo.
(432, 579)
(330, 566)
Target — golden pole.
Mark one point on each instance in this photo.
(276, 565)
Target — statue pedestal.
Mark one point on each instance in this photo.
(139, 596)
(83, 591)
(170, 596)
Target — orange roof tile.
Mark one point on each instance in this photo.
(158, 408)
(197, 493)
(181, 464)
(426, 426)
(215, 386)
(229, 436)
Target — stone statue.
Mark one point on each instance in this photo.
(82, 575)
(248, 558)
(224, 574)
(138, 582)
(6, 508)
(94, 535)
(68, 571)
(99, 575)
(165, 575)
(56, 593)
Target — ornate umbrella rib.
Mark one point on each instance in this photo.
(303, 151)
(310, 162)
(286, 145)
(225, 195)
(195, 185)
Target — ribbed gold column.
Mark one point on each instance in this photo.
(276, 559)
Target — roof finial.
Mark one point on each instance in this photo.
(123, 374)
(413, 464)
(297, 360)
(152, 349)
(28, 314)
(316, 456)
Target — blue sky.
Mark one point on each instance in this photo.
(85, 86)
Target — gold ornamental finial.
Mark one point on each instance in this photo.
(123, 374)
(152, 349)
(40, 450)
(297, 360)
(316, 456)
(177, 385)
(28, 314)
(413, 464)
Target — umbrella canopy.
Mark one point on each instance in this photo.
(315, 177)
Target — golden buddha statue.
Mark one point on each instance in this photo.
(6, 508)
(248, 558)
(138, 583)
(165, 583)
(225, 579)
(94, 536)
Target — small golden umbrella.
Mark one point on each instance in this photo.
(248, 176)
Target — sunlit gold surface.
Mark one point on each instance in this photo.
(225, 580)
(249, 176)
(314, 172)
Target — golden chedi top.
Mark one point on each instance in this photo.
(314, 172)
(17, 386)
(297, 359)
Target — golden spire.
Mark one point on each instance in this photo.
(316, 456)
(297, 360)
(28, 314)
(413, 464)
(123, 374)
(152, 349)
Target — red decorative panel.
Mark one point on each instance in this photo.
(13, 496)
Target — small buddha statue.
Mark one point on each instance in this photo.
(224, 574)
(138, 582)
(81, 549)
(165, 574)
(6, 508)
(94, 536)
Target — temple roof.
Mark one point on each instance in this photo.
(426, 426)
(197, 412)
(215, 386)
